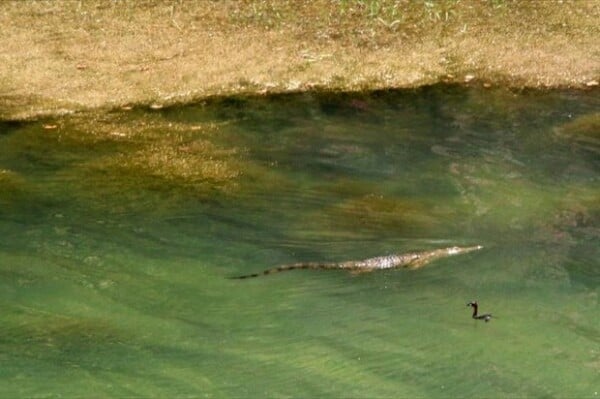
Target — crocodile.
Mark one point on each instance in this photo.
(410, 260)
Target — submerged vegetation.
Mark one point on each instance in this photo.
(12, 187)
(586, 125)
(150, 156)
(381, 214)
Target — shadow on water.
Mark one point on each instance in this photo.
(119, 230)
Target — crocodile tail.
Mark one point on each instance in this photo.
(284, 268)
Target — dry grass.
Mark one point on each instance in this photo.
(59, 56)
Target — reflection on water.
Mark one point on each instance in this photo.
(119, 230)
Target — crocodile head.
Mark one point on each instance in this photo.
(426, 257)
(462, 250)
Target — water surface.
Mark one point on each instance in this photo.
(120, 230)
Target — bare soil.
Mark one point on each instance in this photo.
(64, 56)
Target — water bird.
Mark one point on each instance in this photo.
(487, 316)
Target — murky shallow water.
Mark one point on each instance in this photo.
(119, 232)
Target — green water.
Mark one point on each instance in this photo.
(119, 230)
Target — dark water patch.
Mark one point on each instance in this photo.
(8, 126)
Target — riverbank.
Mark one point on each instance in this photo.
(64, 56)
